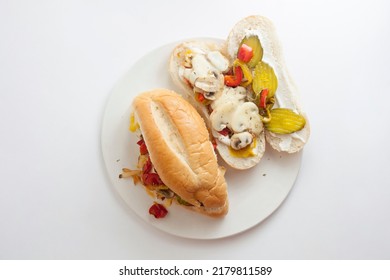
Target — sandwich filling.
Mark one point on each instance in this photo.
(147, 175)
(203, 72)
(277, 110)
(240, 95)
(236, 121)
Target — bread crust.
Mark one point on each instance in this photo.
(180, 149)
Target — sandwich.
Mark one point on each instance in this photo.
(177, 162)
(245, 78)
(287, 128)
(203, 72)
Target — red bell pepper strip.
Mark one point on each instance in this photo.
(263, 98)
(245, 53)
(147, 166)
(151, 179)
(225, 131)
(158, 210)
(142, 147)
(234, 80)
(200, 97)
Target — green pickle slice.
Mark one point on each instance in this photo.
(285, 121)
(264, 77)
(254, 42)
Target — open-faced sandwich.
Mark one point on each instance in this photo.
(204, 73)
(177, 161)
(242, 89)
(286, 125)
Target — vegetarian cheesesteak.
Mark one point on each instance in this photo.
(177, 161)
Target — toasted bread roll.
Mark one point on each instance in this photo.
(180, 150)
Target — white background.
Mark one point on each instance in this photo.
(59, 60)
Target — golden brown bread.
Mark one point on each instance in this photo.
(180, 149)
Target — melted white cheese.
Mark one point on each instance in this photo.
(231, 110)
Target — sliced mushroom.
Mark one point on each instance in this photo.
(241, 140)
(209, 95)
(218, 61)
(223, 139)
(201, 66)
(209, 85)
(246, 117)
(190, 75)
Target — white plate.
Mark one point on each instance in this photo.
(253, 194)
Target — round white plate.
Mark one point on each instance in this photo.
(253, 194)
